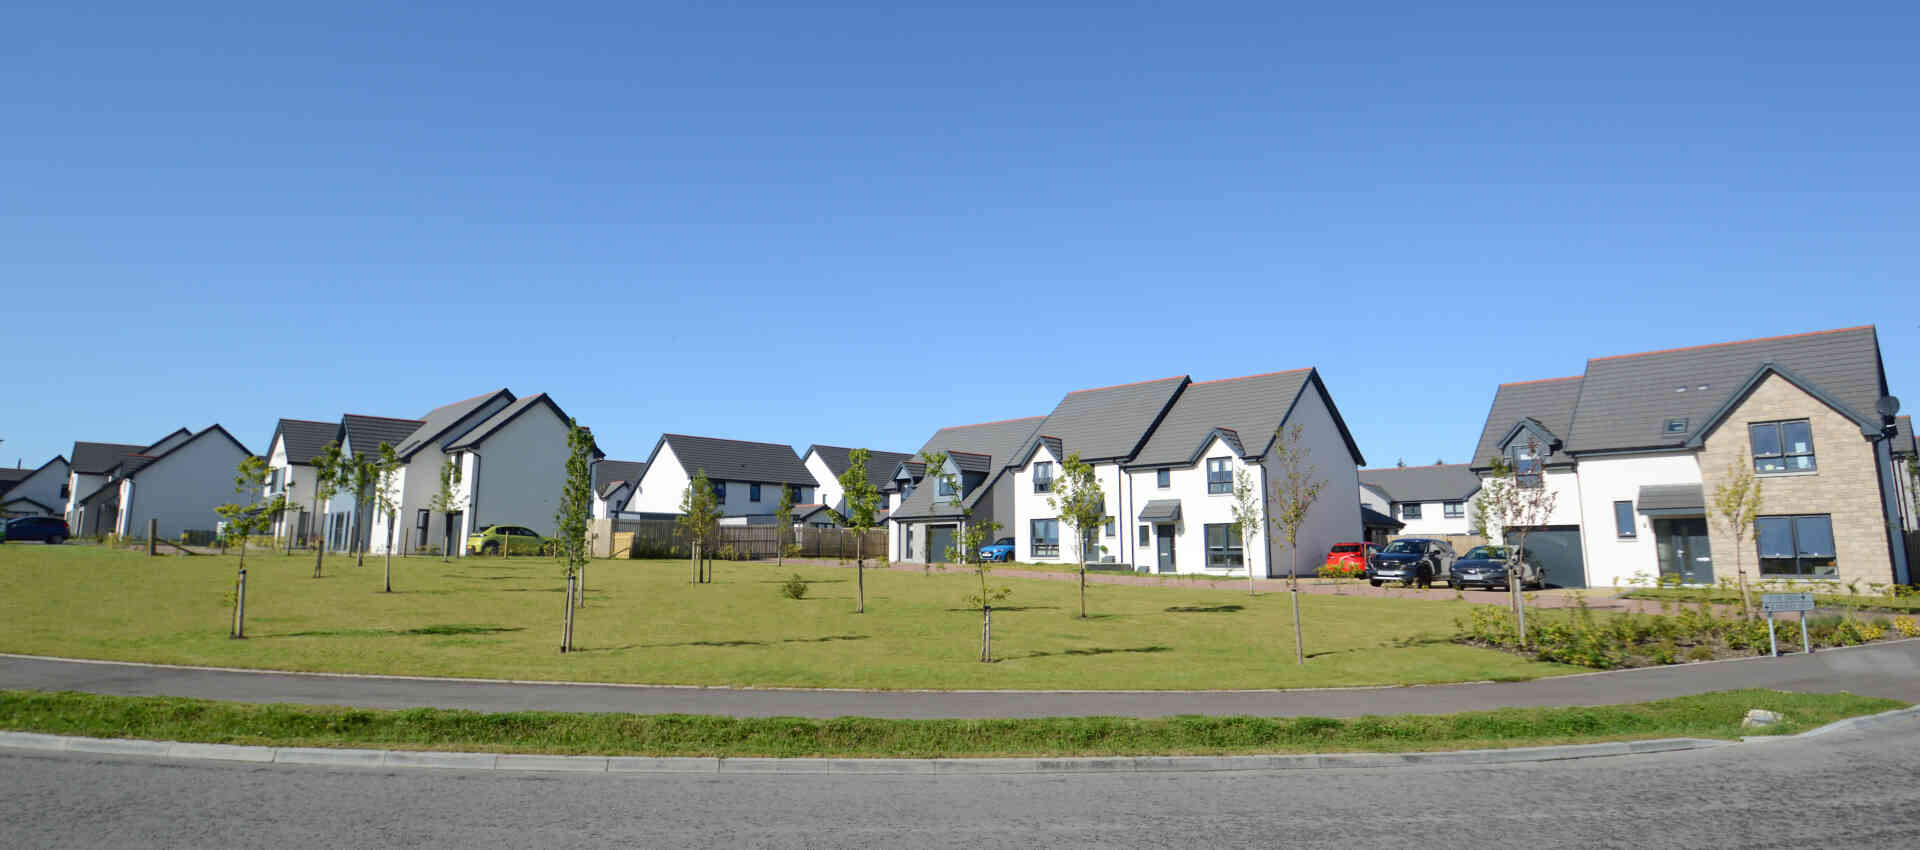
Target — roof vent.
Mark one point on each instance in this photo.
(1676, 426)
(1679, 389)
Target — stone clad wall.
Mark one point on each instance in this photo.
(1844, 486)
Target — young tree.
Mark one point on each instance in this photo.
(443, 503)
(1247, 516)
(1294, 493)
(386, 465)
(363, 469)
(1512, 503)
(1737, 502)
(244, 519)
(943, 481)
(1081, 506)
(972, 536)
(576, 502)
(783, 517)
(326, 482)
(699, 516)
(863, 503)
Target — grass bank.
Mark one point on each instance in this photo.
(644, 623)
(1715, 715)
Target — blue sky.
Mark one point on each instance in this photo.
(855, 224)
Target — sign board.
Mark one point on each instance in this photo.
(1776, 603)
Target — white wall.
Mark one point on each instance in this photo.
(662, 485)
(1373, 499)
(1335, 516)
(42, 486)
(1198, 508)
(1433, 519)
(829, 489)
(1610, 558)
(1028, 506)
(79, 486)
(182, 489)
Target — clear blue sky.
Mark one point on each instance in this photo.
(855, 224)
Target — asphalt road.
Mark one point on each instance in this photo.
(1889, 669)
(1849, 789)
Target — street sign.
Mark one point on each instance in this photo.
(1780, 603)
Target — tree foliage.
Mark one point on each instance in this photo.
(1736, 503)
(326, 482)
(699, 517)
(1511, 504)
(863, 507)
(1080, 505)
(1297, 487)
(1248, 516)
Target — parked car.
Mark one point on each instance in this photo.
(1352, 554)
(514, 539)
(46, 529)
(998, 550)
(1486, 566)
(1411, 560)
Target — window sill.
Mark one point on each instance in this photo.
(1796, 473)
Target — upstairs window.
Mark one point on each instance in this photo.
(793, 492)
(1163, 478)
(1043, 477)
(1410, 510)
(1219, 475)
(1526, 465)
(1782, 446)
(1455, 509)
(945, 487)
(1676, 426)
(720, 492)
(753, 492)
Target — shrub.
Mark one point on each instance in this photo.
(794, 587)
(1906, 626)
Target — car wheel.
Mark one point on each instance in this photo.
(490, 547)
(56, 540)
(1374, 581)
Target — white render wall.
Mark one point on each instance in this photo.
(1335, 516)
(1433, 521)
(1611, 559)
(829, 489)
(182, 489)
(1028, 506)
(42, 486)
(662, 485)
(1198, 508)
(79, 486)
(1565, 484)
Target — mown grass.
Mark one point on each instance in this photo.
(1715, 715)
(644, 623)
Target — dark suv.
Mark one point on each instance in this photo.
(1411, 560)
(46, 529)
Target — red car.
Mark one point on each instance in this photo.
(1355, 554)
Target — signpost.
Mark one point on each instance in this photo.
(1775, 603)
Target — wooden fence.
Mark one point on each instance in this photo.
(661, 538)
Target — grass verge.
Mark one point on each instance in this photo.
(1715, 715)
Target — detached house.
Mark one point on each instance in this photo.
(746, 477)
(827, 463)
(177, 483)
(87, 474)
(614, 482)
(349, 521)
(1429, 501)
(1635, 447)
(1106, 427)
(34, 492)
(925, 522)
(290, 455)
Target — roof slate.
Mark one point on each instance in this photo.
(1626, 400)
(97, 458)
(1903, 443)
(1106, 423)
(1442, 483)
(609, 471)
(1548, 401)
(994, 441)
(738, 460)
(1250, 407)
(364, 434)
(436, 424)
(304, 438)
(880, 466)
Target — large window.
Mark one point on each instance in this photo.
(793, 492)
(1623, 523)
(753, 492)
(1526, 465)
(1146, 535)
(1782, 446)
(1796, 545)
(1455, 509)
(1223, 546)
(1219, 475)
(720, 492)
(1043, 477)
(1046, 538)
(1410, 510)
(1163, 478)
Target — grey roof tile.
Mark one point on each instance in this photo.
(1671, 497)
(608, 471)
(1105, 423)
(1371, 517)
(994, 441)
(364, 434)
(1442, 483)
(737, 460)
(1549, 401)
(1903, 443)
(305, 438)
(439, 424)
(880, 465)
(97, 458)
(1250, 407)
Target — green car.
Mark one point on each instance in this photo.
(514, 539)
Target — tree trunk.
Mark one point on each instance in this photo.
(694, 546)
(1083, 587)
(319, 550)
(986, 634)
(240, 604)
(860, 571)
(566, 618)
(1740, 569)
(389, 577)
(581, 600)
(446, 551)
(1293, 585)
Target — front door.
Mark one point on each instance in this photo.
(1163, 538)
(1685, 554)
(449, 543)
(939, 539)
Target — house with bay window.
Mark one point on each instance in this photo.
(1636, 445)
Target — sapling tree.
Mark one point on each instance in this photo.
(699, 516)
(863, 505)
(243, 520)
(1080, 505)
(443, 502)
(326, 482)
(1736, 503)
(1247, 516)
(945, 486)
(1296, 489)
(386, 468)
(972, 535)
(576, 503)
(363, 469)
(783, 521)
(1513, 502)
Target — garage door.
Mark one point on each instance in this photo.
(1557, 550)
(939, 540)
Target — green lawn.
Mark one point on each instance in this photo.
(1715, 715)
(644, 623)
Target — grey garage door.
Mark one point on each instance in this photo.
(1557, 550)
(939, 540)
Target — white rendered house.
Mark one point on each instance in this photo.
(746, 477)
(1429, 501)
(37, 492)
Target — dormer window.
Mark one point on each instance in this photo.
(1676, 426)
(945, 488)
(1526, 465)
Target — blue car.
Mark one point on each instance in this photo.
(46, 529)
(999, 550)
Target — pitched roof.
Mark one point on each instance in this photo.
(10, 476)
(97, 458)
(1105, 423)
(134, 463)
(1250, 407)
(479, 433)
(438, 423)
(611, 471)
(880, 466)
(304, 438)
(1626, 400)
(1549, 401)
(982, 447)
(22, 499)
(1371, 517)
(1443, 483)
(1903, 442)
(736, 460)
(364, 434)
(24, 474)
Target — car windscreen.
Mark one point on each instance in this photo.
(1407, 547)
(1486, 553)
(1346, 547)
(1004, 541)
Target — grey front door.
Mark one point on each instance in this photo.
(1685, 553)
(1163, 538)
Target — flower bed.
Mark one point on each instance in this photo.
(1699, 633)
